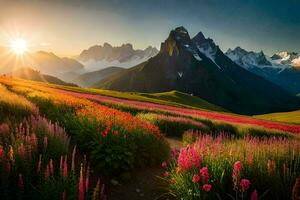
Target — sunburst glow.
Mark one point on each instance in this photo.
(19, 46)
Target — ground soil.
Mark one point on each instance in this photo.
(144, 184)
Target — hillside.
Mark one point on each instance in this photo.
(34, 75)
(197, 66)
(287, 117)
(91, 78)
(172, 98)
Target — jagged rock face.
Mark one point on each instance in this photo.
(280, 68)
(110, 53)
(99, 57)
(197, 66)
(248, 59)
(287, 58)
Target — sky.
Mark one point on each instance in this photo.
(66, 27)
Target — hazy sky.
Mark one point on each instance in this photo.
(67, 27)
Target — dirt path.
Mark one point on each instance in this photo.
(143, 184)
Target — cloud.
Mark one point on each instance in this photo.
(296, 62)
(45, 44)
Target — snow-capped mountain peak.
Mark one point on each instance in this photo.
(99, 57)
(248, 59)
(287, 58)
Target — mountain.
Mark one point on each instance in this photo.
(281, 69)
(197, 66)
(34, 75)
(99, 57)
(47, 62)
(287, 58)
(91, 78)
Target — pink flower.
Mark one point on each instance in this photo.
(165, 174)
(73, 159)
(65, 173)
(244, 184)
(188, 157)
(2, 154)
(51, 167)
(207, 187)
(196, 178)
(87, 178)
(45, 142)
(271, 166)
(64, 195)
(20, 181)
(164, 164)
(39, 165)
(237, 167)
(47, 172)
(254, 195)
(11, 153)
(61, 164)
(295, 190)
(81, 185)
(204, 174)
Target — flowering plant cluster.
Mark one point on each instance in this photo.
(34, 163)
(228, 168)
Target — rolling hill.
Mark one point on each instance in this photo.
(287, 117)
(171, 98)
(197, 66)
(91, 78)
(34, 75)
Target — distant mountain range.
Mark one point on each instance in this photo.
(90, 79)
(197, 66)
(34, 75)
(46, 62)
(282, 68)
(99, 57)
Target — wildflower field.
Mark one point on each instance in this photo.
(58, 143)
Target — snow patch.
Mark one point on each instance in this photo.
(210, 53)
(197, 57)
(180, 74)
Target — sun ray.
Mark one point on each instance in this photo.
(19, 46)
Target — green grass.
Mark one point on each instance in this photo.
(287, 117)
(172, 98)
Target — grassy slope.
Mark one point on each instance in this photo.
(172, 98)
(288, 117)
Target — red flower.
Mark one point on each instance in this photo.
(39, 165)
(164, 164)
(204, 174)
(64, 195)
(65, 173)
(47, 172)
(87, 178)
(196, 178)
(2, 154)
(20, 181)
(237, 167)
(207, 187)
(51, 167)
(165, 174)
(81, 185)
(254, 195)
(245, 183)
(296, 189)
(73, 159)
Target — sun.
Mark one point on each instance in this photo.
(19, 46)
